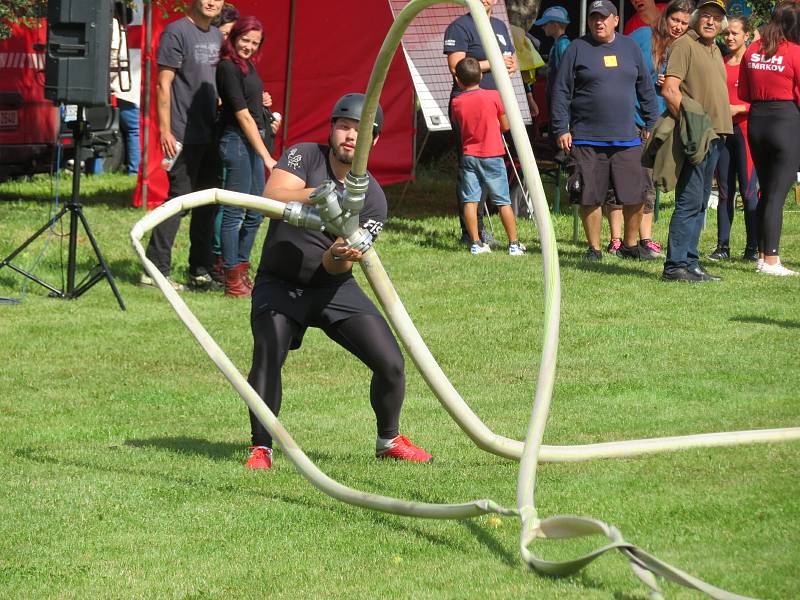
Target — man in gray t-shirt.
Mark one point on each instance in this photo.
(192, 54)
(187, 102)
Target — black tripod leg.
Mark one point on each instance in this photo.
(106, 272)
(28, 242)
(7, 260)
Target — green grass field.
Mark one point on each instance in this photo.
(122, 446)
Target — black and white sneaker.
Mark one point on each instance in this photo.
(202, 282)
(720, 253)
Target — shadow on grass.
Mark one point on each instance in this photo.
(766, 321)
(573, 258)
(191, 446)
(488, 541)
(385, 521)
(432, 238)
(115, 200)
(224, 451)
(128, 270)
(238, 487)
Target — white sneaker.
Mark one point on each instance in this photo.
(516, 250)
(71, 164)
(777, 269)
(759, 265)
(476, 249)
(146, 280)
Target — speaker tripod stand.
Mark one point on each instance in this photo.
(74, 209)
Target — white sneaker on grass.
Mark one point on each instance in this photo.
(476, 249)
(146, 280)
(777, 269)
(516, 250)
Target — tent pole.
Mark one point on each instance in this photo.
(288, 94)
(583, 17)
(148, 38)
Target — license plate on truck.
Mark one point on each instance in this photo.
(9, 119)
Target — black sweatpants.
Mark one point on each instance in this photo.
(773, 131)
(198, 167)
(367, 336)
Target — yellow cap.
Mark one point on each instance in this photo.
(718, 3)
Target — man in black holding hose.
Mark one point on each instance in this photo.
(305, 280)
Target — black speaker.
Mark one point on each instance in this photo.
(78, 52)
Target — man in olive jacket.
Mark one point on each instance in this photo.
(695, 69)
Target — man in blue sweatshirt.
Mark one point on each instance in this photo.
(601, 76)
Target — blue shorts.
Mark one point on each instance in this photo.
(484, 173)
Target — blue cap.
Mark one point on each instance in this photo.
(557, 14)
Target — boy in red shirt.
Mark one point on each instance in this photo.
(481, 116)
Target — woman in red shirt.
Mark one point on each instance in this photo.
(770, 80)
(735, 161)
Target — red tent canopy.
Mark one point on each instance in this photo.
(313, 53)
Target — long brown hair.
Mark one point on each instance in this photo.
(661, 39)
(784, 26)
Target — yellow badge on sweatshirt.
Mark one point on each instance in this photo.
(610, 61)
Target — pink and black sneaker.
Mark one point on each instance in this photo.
(613, 246)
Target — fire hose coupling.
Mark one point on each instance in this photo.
(304, 216)
(327, 200)
(361, 240)
(325, 214)
(355, 191)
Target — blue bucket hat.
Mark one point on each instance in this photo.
(557, 14)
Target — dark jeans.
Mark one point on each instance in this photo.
(244, 172)
(691, 199)
(734, 165)
(196, 168)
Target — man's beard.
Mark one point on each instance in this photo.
(338, 153)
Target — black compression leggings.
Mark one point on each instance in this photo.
(773, 131)
(366, 336)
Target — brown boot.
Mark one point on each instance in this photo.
(234, 284)
(245, 267)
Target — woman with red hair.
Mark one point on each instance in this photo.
(242, 148)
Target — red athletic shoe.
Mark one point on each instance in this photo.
(401, 448)
(260, 458)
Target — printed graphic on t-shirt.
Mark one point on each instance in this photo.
(206, 54)
(610, 61)
(759, 63)
(293, 159)
(373, 226)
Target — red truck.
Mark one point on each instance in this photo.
(29, 123)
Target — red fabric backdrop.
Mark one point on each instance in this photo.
(334, 48)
